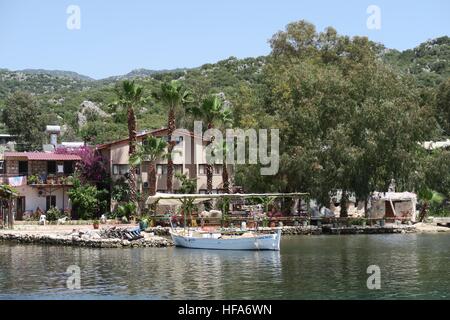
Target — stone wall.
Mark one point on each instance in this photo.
(12, 167)
(83, 240)
(37, 167)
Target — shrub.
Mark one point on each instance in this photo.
(120, 190)
(84, 199)
(125, 210)
(53, 214)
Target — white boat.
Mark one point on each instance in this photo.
(198, 239)
(218, 241)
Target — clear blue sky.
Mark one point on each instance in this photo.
(118, 36)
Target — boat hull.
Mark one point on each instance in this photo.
(260, 242)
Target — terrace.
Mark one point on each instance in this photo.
(37, 168)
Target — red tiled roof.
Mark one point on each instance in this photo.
(42, 156)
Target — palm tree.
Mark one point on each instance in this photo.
(223, 149)
(151, 150)
(130, 96)
(226, 119)
(173, 95)
(211, 111)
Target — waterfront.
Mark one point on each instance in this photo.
(413, 266)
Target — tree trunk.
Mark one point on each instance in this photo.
(152, 179)
(225, 179)
(344, 200)
(171, 145)
(209, 168)
(209, 176)
(132, 149)
(366, 212)
(423, 211)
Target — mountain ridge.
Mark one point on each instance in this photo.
(412, 61)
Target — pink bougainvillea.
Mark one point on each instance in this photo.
(92, 167)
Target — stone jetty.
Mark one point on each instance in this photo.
(375, 229)
(83, 238)
(333, 229)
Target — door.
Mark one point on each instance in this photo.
(50, 202)
(389, 212)
(20, 208)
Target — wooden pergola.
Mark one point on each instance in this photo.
(188, 200)
(8, 197)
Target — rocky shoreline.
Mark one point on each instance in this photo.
(317, 230)
(159, 236)
(89, 238)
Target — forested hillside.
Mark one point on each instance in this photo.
(63, 95)
(351, 112)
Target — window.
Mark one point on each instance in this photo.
(23, 167)
(217, 169)
(161, 169)
(51, 167)
(120, 169)
(2, 166)
(177, 140)
(202, 169)
(178, 168)
(68, 167)
(50, 202)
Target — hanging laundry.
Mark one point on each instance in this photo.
(17, 181)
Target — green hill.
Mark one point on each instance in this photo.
(61, 93)
(429, 62)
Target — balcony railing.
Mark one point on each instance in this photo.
(58, 179)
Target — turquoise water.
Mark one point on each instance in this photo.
(413, 266)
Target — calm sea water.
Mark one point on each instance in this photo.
(413, 266)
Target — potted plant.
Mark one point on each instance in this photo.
(68, 180)
(50, 179)
(143, 223)
(265, 222)
(33, 179)
(96, 224)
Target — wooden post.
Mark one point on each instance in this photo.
(10, 214)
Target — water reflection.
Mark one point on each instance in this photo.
(327, 267)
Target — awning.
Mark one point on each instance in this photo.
(395, 196)
(177, 199)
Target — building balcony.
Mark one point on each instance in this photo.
(35, 180)
(49, 180)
